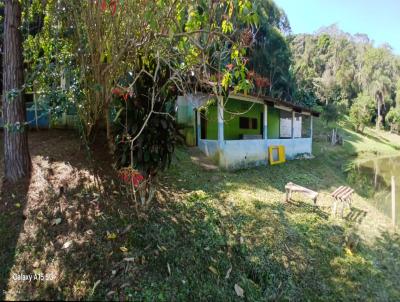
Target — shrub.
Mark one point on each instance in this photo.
(393, 116)
(156, 134)
(343, 107)
(330, 113)
(362, 111)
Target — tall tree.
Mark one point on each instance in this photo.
(336, 67)
(377, 75)
(398, 94)
(16, 153)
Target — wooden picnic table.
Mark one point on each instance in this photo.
(343, 194)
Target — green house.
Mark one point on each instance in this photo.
(238, 131)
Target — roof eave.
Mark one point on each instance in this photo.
(268, 100)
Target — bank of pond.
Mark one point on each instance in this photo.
(372, 179)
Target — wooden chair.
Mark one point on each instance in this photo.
(342, 195)
(291, 187)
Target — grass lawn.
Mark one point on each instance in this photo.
(207, 232)
(371, 143)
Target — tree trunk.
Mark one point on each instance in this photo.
(17, 161)
(110, 140)
(375, 174)
(379, 118)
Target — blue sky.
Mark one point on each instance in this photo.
(379, 19)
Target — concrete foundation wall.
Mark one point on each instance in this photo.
(236, 154)
(243, 153)
(209, 147)
(293, 147)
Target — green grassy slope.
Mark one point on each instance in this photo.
(207, 232)
(219, 222)
(356, 145)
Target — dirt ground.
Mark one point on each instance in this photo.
(55, 209)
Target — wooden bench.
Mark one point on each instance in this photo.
(343, 195)
(291, 187)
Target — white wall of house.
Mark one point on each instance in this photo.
(293, 147)
(209, 147)
(234, 154)
(243, 153)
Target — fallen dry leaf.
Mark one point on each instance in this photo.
(111, 292)
(40, 215)
(228, 273)
(161, 248)
(111, 236)
(95, 285)
(123, 249)
(348, 251)
(67, 244)
(127, 229)
(56, 221)
(239, 291)
(213, 270)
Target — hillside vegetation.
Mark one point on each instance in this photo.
(345, 73)
(208, 233)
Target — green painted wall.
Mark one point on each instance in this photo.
(273, 123)
(212, 122)
(231, 127)
(232, 130)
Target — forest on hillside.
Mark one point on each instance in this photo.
(347, 74)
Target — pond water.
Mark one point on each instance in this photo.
(372, 179)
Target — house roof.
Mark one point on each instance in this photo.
(275, 102)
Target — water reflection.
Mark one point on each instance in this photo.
(372, 179)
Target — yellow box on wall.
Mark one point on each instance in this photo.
(276, 154)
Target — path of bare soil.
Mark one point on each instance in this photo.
(52, 213)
